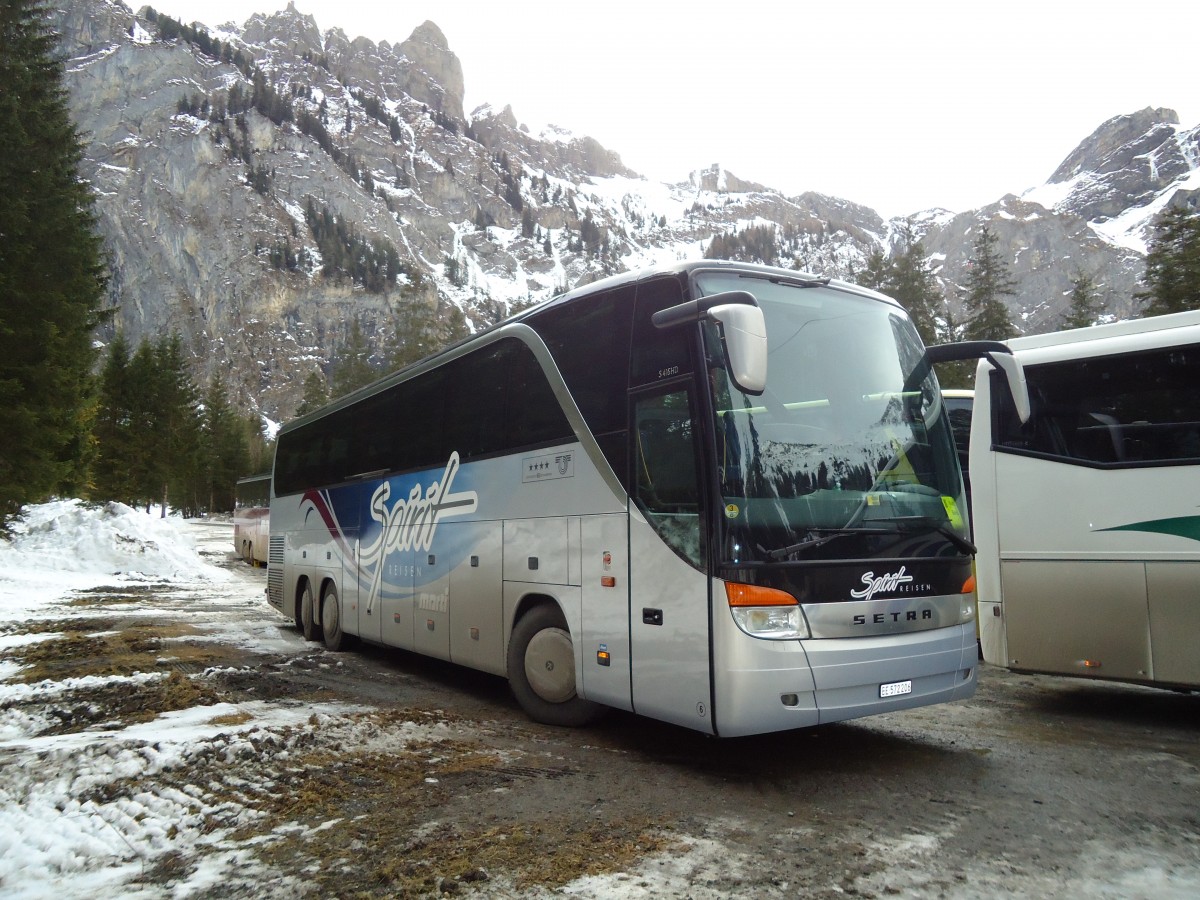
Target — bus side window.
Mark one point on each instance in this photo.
(664, 459)
(589, 341)
(1127, 409)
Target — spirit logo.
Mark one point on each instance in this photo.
(874, 585)
(411, 523)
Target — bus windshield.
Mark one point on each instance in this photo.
(845, 455)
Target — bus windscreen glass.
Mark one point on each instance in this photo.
(834, 460)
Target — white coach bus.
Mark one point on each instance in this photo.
(1087, 516)
(606, 500)
(252, 518)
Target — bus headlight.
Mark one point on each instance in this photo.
(967, 609)
(765, 612)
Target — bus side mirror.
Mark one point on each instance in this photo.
(743, 333)
(996, 353)
(744, 337)
(1014, 375)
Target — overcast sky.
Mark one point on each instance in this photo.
(901, 106)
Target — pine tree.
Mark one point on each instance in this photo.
(954, 374)
(144, 459)
(419, 332)
(878, 271)
(912, 284)
(988, 280)
(416, 334)
(353, 368)
(224, 451)
(1173, 264)
(116, 441)
(905, 276)
(179, 424)
(164, 460)
(316, 394)
(1086, 304)
(52, 276)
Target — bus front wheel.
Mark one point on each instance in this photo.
(541, 670)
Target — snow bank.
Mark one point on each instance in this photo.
(69, 545)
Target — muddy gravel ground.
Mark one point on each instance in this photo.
(412, 777)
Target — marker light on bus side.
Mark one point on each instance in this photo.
(767, 613)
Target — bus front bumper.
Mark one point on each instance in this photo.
(780, 685)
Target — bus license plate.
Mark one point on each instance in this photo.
(895, 689)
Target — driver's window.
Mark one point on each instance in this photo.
(666, 483)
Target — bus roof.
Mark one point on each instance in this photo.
(690, 266)
(676, 269)
(1103, 332)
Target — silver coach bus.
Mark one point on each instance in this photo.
(720, 495)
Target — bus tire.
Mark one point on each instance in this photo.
(541, 670)
(308, 614)
(331, 620)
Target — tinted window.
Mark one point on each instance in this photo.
(495, 400)
(534, 413)
(659, 353)
(1109, 411)
(589, 340)
(959, 411)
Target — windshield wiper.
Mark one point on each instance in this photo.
(924, 522)
(824, 536)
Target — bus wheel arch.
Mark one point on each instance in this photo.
(541, 666)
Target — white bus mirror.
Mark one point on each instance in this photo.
(743, 333)
(1014, 375)
(744, 337)
(996, 353)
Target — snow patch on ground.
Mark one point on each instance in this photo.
(69, 545)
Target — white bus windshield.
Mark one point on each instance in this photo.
(840, 457)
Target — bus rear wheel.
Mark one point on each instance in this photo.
(541, 670)
(331, 620)
(308, 614)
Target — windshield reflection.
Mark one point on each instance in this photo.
(836, 458)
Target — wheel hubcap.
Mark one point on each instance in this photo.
(550, 665)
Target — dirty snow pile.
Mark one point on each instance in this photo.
(69, 545)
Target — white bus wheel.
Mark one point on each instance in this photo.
(331, 620)
(308, 614)
(541, 670)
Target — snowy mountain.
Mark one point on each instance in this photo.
(1126, 173)
(262, 187)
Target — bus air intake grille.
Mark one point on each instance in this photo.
(275, 571)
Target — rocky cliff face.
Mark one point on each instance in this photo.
(206, 210)
(1126, 162)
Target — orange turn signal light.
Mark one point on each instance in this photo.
(969, 585)
(753, 595)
